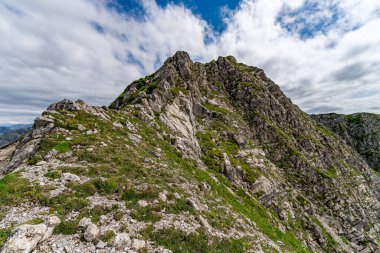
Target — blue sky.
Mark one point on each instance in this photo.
(325, 55)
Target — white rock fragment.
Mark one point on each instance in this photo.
(122, 240)
(130, 126)
(91, 232)
(142, 203)
(138, 244)
(92, 131)
(68, 177)
(135, 138)
(117, 124)
(101, 245)
(51, 222)
(81, 127)
(41, 163)
(163, 197)
(84, 222)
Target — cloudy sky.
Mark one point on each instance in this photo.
(325, 55)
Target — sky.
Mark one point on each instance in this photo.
(325, 55)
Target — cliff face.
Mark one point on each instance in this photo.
(197, 158)
(360, 130)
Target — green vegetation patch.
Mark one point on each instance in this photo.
(14, 190)
(67, 227)
(330, 173)
(176, 90)
(4, 233)
(108, 236)
(62, 147)
(179, 241)
(216, 108)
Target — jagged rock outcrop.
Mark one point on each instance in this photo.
(209, 153)
(360, 130)
(29, 144)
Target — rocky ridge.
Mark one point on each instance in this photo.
(193, 158)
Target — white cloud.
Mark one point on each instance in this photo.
(52, 49)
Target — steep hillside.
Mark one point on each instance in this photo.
(193, 158)
(360, 130)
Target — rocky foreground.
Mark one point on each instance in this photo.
(193, 158)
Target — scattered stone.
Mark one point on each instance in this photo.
(122, 240)
(41, 163)
(51, 222)
(81, 127)
(84, 222)
(101, 245)
(68, 138)
(92, 131)
(118, 125)
(163, 197)
(142, 203)
(135, 138)
(91, 232)
(68, 177)
(138, 244)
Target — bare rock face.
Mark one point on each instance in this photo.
(30, 144)
(359, 130)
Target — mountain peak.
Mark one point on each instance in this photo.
(215, 146)
(178, 57)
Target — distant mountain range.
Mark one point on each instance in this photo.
(9, 133)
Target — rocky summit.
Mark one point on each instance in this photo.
(193, 158)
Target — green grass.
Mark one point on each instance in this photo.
(67, 227)
(15, 189)
(35, 221)
(54, 174)
(216, 108)
(325, 131)
(176, 90)
(178, 241)
(62, 147)
(330, 173)
(65, 203)
(108, 236)
(4, 233)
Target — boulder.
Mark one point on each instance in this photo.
(68, 177)
(24, 238)
(138, 244)
(91, 232)
(122, 240)
(84, 223)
